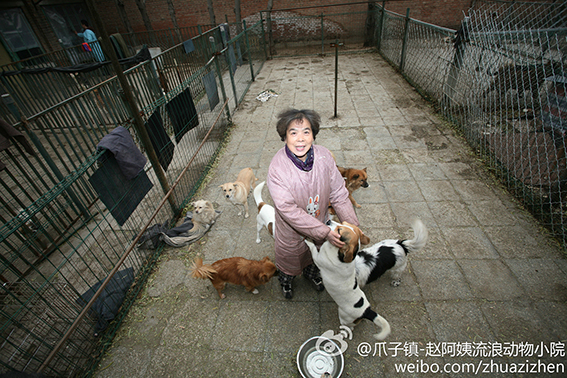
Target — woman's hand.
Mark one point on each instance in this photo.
(335, 239)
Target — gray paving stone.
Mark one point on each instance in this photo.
(441, 280)
(487, 273)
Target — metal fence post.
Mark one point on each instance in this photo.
(219, 73)
(405, 41)
(263, 39)
(322, 34)
(454, 72)
(248, 49)
(229, 65)
(382, 19)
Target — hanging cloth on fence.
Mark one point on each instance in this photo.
(119, 194)
(210, 84)
(160, 140)
(183, 114)
(106, 306)
(8, 132)
(129, 157)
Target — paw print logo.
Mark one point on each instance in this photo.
(332, 344)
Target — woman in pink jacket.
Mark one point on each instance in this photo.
(303, 179)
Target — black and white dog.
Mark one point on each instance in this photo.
(388, 255)
(338, 273)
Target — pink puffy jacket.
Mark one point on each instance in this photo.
(301, 201)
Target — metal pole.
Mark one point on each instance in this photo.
(336, 46)
(219, 73)
(248, 49)
(405, 41)
(382, 19)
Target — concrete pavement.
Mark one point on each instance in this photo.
(489, 287)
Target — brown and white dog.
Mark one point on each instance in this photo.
(237, 192)
(237, 271)
(354, 179)
(203, 214)
(339, 276)
(266, 213)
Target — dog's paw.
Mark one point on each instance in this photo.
(258, 241)
(396, 282)
(246, 215)
(357, 206)
(255, 291)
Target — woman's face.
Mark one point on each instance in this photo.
(299, 138)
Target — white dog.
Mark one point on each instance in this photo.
(266, 213)
(388, 256)
(339, 276)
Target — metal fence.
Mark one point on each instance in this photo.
(501, 78)
(72, 220)
(40, 82)
(312, 30)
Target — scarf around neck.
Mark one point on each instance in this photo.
(306, 165)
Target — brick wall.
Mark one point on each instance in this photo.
(448, 13)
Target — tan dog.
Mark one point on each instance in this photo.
(354, 179)
(203, 214)
(237, 192)
(237, 271)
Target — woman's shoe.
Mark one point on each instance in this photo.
(318, 282)
(287, 291)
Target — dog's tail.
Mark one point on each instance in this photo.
(200, 270)
(258, 195)
(379, 321)
(420, 234)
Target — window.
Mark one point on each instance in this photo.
(17, 34)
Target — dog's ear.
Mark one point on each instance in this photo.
(364, 169)
(350, 249)
(348, 252)
(365, 240)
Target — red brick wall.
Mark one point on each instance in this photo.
(448, 13)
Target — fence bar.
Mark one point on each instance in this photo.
(405, 41)
(118, 265)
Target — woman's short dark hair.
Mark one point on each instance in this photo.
(286, 117)
(84, 22)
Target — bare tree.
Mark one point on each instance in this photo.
(124, 15)
(142, 7)
(174, 19)
(238, 15)
(211, 12)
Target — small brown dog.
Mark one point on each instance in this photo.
(354, 179)
(237, 271)
(203, 214)
(237, 192)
